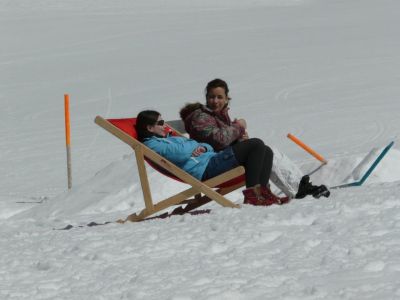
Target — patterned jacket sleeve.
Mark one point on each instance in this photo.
(213, 131)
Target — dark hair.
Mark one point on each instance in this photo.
(216, 83)
(146, 118)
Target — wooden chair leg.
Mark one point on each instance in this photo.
(202, 200)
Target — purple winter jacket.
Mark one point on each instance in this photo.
(206, 126)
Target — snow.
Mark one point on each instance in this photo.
(325, 71)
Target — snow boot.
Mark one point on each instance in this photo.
(270, 198)
(253, 196)
(319, 191)
(306, 188)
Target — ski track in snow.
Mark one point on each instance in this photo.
(325, 71)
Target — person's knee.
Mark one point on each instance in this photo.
(269, 152)
(257, 142)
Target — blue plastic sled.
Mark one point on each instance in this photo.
(369, 171)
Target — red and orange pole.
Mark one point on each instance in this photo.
(307, 148)
(68, 138)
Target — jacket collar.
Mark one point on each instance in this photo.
(223, 114)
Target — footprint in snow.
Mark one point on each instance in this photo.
(375, 266)
(42, 265)
(218, 248)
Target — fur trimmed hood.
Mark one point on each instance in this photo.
(189, 108)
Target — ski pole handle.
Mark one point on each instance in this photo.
(307, 148)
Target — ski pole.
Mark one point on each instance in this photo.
(68, 139)
(307, 148)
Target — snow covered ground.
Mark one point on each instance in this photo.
(326, 71)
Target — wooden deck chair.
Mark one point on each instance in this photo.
(124, 129)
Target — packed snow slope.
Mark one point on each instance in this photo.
(326, 71)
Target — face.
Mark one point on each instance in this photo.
(217, 99)
(157, 129)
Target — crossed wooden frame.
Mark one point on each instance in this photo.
(200, 192)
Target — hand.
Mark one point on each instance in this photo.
(245, 136)
(241, 122)
(198, 151)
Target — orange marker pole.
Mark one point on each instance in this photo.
(307, 148)
(68, 138)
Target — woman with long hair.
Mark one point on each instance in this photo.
(211, 123)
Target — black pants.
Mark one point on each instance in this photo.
(256, 158)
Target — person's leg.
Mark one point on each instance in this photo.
(290, 179)
(248, 154)
(267, 166)
(251, 154)
(224, 161)
(270, 197)
(257, 159)
(285, 174)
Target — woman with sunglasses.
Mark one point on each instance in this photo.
(201, 161)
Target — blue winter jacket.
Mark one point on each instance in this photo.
(179, 151)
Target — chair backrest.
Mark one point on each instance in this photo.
(127, 125)
(178, 125)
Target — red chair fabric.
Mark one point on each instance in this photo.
(126, 125)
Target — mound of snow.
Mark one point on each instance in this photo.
(350, 169)
(115, 191)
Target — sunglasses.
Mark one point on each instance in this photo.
(160, 123)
